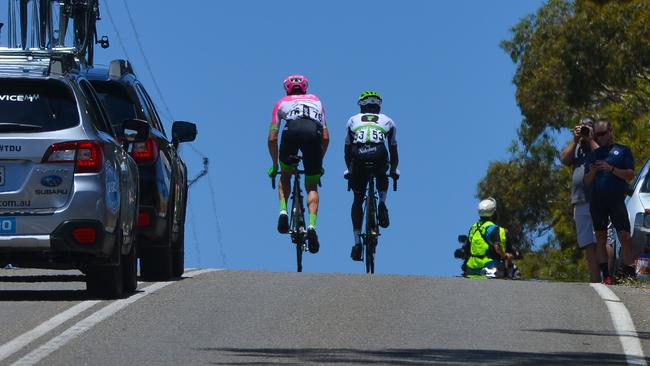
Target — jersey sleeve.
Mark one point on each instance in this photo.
(275, 118)
(392, 134)
(629, 159)
(324, 121)
(348, 132)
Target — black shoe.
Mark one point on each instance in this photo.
(356, 252)
(382, 215)
(283, 223)
(312, 241)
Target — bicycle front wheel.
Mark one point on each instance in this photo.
(299, 251)
(370, 255)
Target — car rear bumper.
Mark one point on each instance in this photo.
(60, 249)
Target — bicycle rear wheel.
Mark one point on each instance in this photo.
(298, 224)
(372, 230)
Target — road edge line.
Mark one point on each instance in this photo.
(93, 319)
(19, 342)
(623, 324)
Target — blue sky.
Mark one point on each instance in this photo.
(438, 65)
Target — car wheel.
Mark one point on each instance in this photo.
(156, 264)
(106, 281)
(178, 255)
(130, 270)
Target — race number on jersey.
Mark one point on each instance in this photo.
(304, 109)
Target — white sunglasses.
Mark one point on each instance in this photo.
(370, 100)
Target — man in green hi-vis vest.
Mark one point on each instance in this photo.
(486, 242)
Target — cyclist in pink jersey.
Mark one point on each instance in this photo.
(305, 130)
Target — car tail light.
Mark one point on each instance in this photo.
(145, 152)
(87, 155)
(144, 218)
(84, 235)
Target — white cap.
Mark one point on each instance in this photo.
(487, 207)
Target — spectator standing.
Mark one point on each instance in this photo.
(575, 156)
(608, 169)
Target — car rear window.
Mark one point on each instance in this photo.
(116, 102)
(36, 106)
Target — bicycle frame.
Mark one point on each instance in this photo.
(371, 235)
(297, 228)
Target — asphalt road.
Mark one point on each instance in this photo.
(260, 318)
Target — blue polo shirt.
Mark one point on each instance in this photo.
(616, 155)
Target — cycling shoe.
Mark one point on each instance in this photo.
(382, 215)
(312, 241)
(356, 252)
(283, 223)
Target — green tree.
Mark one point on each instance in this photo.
(574, 59)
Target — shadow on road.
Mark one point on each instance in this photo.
(44, 295)
(408, 357)
(53, 295)
(641, 335)
(43, 278)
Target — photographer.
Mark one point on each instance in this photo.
(574, 156)
(607, 172)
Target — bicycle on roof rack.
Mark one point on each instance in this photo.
(297, 227)
(50, 21)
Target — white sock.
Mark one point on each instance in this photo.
(382, 196)
(357, 237)
(283, 212)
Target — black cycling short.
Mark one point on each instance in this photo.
(304, 135)
(609, 206)
(369, 158)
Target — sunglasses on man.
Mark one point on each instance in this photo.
(602, 133)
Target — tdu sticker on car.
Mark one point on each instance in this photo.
(7, 225)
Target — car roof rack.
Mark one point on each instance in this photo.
(57, 61)
(119, 68)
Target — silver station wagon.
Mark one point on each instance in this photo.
(68, 188)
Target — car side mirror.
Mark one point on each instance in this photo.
(135, 130)
(183, 132)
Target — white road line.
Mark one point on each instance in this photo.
(83, 325)
(26, 338)
(623, 324)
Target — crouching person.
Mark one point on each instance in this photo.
(487, 247)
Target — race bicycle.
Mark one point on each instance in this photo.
(297, 227)
(370, 238)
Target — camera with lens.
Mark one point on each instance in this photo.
(584, 131)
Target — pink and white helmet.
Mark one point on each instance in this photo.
(296, 81)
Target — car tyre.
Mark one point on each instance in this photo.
(156, 264)
(107, 281)
(178, 255)
(130, 271)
